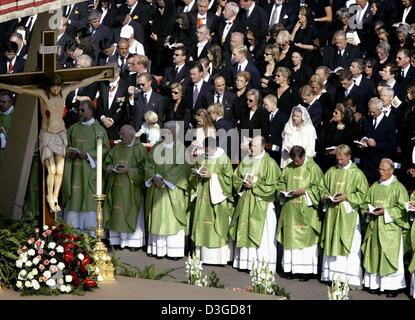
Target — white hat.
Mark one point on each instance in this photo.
(127, 32)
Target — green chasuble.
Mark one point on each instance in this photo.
(382, 240)
(299, 225)
(211, 221)
(5, 122)
(412, 238)
(166, 207)
(79, 182)
(125, 190)
(251, 209)
(339, 224)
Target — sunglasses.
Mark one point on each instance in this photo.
(369, 66)
(268, 54)
(175, 92)
(141, 84)
(250, 100)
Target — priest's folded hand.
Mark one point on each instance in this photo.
(82, 155)
(73, 154)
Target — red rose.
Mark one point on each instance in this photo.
(89, 283)
(86, 261)
(68, 257)
(75, 279)
(69, 246)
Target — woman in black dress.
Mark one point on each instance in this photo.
(286, 95)
(241, 83)
(271, 58)
(217, 63)
(285, 45)
(322, 15)
(317, 84)
(342, 130)
(300, 72)
(176, 110)
(305, 38)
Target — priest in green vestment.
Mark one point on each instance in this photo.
(299, 224)
(254, 222)
(79, 178)
(6, 116)
(213, 211)
(345, 188)
(411, 210)
(124, 205)
(383, 245)
(167, 177)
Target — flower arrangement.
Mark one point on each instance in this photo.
(194, 271)
(54, 261)
(262, 278)
(338, 290)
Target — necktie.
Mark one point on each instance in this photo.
(271, 116)
(274, 18)
(176, 73)
(145, 98)
(374, 123)
(402, 73)
(218, 98)
(122, 63)
(346, 93)
(195, 95)
(239, 68)
(10, 69)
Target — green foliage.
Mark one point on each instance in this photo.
(280, 291)
(149, 272)
(214, 281)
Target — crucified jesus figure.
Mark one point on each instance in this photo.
(52, 137)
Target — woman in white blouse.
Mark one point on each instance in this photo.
(298, 131)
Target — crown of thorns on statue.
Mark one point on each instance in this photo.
(53, 80)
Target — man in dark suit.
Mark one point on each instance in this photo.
(220, 95)
(108, 13)
(227, 26)
(21, 47)
(254, 18)
(121, 55)
(195, 94)
(98, 30)
(200, 49)
(63, 39)
(279, 11)
(365, 84)
(222, 127)
(381, 142)
(9, 61)
(341, 54)
(147, 100)
(313, 106)
(390, 74)
(76, 15)
(239, 55)
(324, 73)
(203, 17)
(277, 121)
(190, 7)
(407, 71)
(349, 90)
(112, 105)
(179, 72)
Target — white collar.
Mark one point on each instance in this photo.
(260, 156)
(115, 82)
(346, 166)
(364, 8)
(190, 5)
(358, 80)
(8, 111)
(405, 70)
(202, 44)
(391, 82)
(350, 88)
(230, 20)
(133, 7)
(379, 118)
(88, 123)
(314, 100)
(199, 84)
(131, 144)
(218, 153)
(243, 64)
(251, 8)
(387, 182)
(202, 17)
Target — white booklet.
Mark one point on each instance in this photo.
(362, 141)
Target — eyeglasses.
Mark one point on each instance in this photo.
(175, 92)
(369, 66)
(141, 84)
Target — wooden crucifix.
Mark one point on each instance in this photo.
(52, 86)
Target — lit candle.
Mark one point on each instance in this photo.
(99, 165)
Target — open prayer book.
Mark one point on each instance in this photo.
(331, 198)
(199, 170)
(410, 207)
(287, 194)
(396, 102)
(331, 148)
(74, 149)
(372, 210)
(362, 142)
(116, 167)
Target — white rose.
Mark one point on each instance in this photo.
(51, 282)
(62, 288)
(96, 270)
(35, 284)
(22, 273)
(51, 245)
(47, 274)
(100, 278)
(59, 249)
(68, 278)
(27, 284)
(28, 263)
(61, 266)
(35, 272)
(81, 256)
(19, 284)
(31, 252)
(30, 276)
(24, 258)
(19, 263)
(68, 288)
(53, 261)
(36, 260)
(45, 228)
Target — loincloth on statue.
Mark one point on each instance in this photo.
(51, 144)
